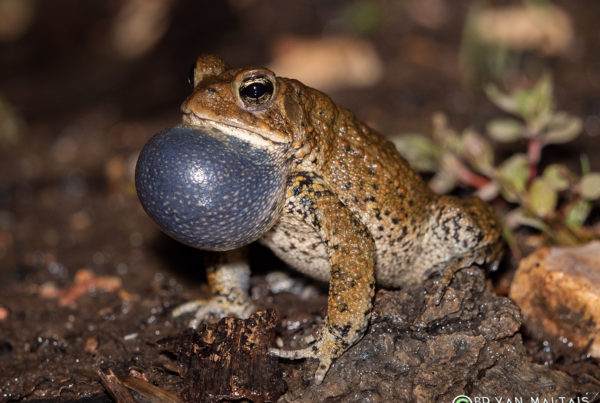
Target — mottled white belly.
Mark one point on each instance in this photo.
(298, 245)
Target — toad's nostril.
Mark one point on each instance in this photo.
(209, 190)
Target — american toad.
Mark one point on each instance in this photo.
(268, 158)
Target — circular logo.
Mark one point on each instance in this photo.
(462, 399)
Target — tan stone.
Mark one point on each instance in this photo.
(558, 291)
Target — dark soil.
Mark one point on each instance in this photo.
(67, 203)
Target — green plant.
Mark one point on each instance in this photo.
(553, 200)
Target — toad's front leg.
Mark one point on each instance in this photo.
(228, 275)
(352, 280)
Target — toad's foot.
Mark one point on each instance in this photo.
(325, 348)
(489, 255)
(228, 276)
(216, 307)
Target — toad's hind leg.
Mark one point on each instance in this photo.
(487, 255)
(470, 233)
(228, 275)
(351, 278)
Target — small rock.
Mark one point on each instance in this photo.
(558, 291)
(545, 29)
(329, 63)
(418, 350)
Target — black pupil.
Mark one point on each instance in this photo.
(256, 90)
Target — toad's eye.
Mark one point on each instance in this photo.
(256, 91)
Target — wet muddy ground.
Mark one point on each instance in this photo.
(88, 282)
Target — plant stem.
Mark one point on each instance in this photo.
(534, 153)
(468, 177)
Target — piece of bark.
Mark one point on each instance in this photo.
(229, 359)
(150, 392)
(558, 291)
(115, 387)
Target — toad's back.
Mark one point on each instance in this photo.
(415, 232)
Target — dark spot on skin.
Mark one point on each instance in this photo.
(456, 222)
(395, 220)
(343, 330)
(380, 228)
(307, 203)
(386, 213)
(374, 186)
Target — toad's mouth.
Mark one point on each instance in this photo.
(262, 139)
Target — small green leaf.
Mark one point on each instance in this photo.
(557, 176)
(564, 237)
(590, 186)
(512, 176)
(364, 16)
(562, 128)
(445, 179)
(477, 151)
(537, 101)
(505, 129)
(533, 222)
(585, 164)
(420, 152)
(444, 135)
(542, 198)
(506, 102)
(577, 213)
